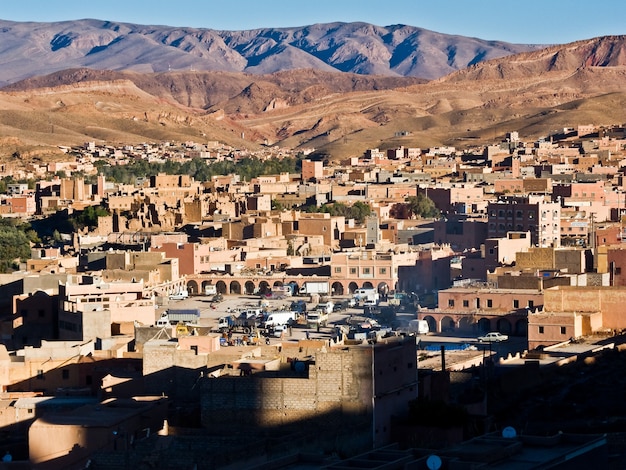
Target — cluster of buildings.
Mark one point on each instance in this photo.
(529, 243)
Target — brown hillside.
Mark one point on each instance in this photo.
(337, 114)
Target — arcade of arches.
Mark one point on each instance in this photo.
(510, 324)
(256, 286)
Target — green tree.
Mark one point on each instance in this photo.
(56, 236)
(423, 206)
(359, 211)
(400, 210)
(14, 245)
(88, 217)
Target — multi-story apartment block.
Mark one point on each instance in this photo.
(526, 214)
(456, 198)
(89, 306)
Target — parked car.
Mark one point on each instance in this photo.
(492, 337)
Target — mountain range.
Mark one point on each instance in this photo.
(95, 80)
(29, 49)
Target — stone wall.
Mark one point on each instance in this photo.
(331, 387)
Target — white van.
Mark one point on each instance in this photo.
(183, 294)
(415, 327)
(362, 294)
(419, 327)
(280, 318)
(326, 307)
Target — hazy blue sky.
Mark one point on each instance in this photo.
(525, 21)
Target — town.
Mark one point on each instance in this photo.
(175, 291)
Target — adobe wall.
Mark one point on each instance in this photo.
(336, 386)
(609, 301)
(170, 371)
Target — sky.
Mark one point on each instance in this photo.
(523, 22)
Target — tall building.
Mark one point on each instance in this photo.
(521, 214)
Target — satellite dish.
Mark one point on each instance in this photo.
(509, 432)
(433, 462)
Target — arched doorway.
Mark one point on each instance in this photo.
(337, 288)
(432, 324)
(250, 287)
(206, 284)
(352, 287)
(504, 326)
(447, 324)
(368, 285)
(220, 286)
(484, 325)
(264, 288)
(235, 288)
(295, 288)
(383, 290)
(277, 284)
(192, 288)
(466, 324)
(521, 327)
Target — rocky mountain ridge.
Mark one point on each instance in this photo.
(29, 49)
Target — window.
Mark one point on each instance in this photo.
(541, 330)
(489, 303)
(563, 330)
(366, 270)
(466, 303)
(618, 270)
(352, 270)
(450, 302)
(531, 304)
(382, 270)
(337, 269)
(515, 303)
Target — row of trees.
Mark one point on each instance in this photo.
(246, 168)
(357, 211)
(414, 206)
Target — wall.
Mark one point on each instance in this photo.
(334, 391)
(609, 301)
(66, 439)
